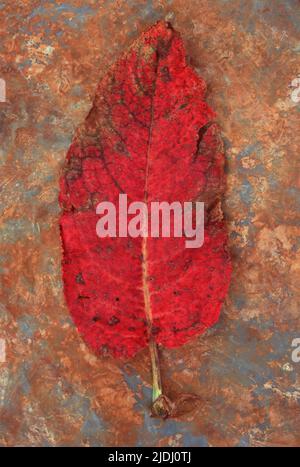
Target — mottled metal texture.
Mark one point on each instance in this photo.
(53, 391)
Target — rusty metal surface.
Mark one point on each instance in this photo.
(53, 391)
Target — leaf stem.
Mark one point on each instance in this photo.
(156, 376)
(162, 407)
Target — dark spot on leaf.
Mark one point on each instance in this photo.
(79, 278)
(72, 175)
(104, 349)
(163, 47)
(165, 74)
(121, 148)
(155, 330)
(113, 321)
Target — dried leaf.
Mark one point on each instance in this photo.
(150, 135)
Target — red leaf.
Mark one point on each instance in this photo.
(151, 135)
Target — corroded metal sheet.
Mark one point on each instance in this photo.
(53, 391)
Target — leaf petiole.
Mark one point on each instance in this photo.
(162, 407)
(156, 376)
